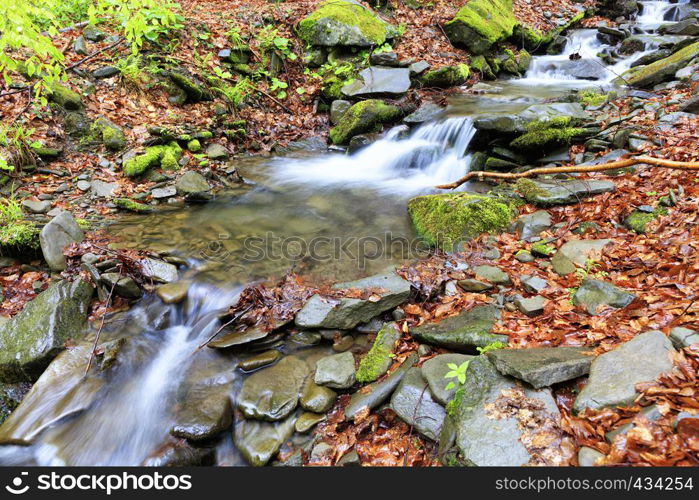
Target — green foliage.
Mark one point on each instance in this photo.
(16, 234)
(16, 147)
(491, 347)
(457, 372)
(590, 269)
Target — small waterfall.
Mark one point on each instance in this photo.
(433, 153)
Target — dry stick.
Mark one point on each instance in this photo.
(657, 162)
(99, 331)
(87, 58)
(275, 100)
(233, 320)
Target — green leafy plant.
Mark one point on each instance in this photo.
(16, 147)
(456, 372)
(590, 269)
(491, 347)
(279, 87)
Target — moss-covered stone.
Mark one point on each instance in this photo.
(480, 65)
(447, 76)
(363, 117)
(131, 205)
(481, 23)
(194, 146)
(166, 157)
(535, 40)
(194, 89)
(19, 238)
(65, 97)
(378, 360)
(340, 22)
(659, 71)
(442, 220)
(637, 221)
(544, 134)
(109, 134)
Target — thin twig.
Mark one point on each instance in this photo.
(94, 54)
(649, 160)
(275, 100)
(99, 331)
(233, 320)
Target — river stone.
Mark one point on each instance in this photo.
(258, 442)
(249, 335)
(533, 224)
(336, 371)
(61, 391)
(377, 80)
(36, 206)
(158, 270)
(273, 393)
(533, 284)
(482, 439)
(614, 374)
(32, 338)
(337, 109)
(123, 285)
(683, 337)
(517, 122)
(205, 410)
(60, 232)
(316, 398)
(473, 285)
(464, 332)
(492, 274)
(434, 370)
(412, 401)
(164, 192)
(547, 193)
(346, 313)
(427, 112)
(216, 152)
(373, 395)
(576, 253)
(650, 413)
(593, 293)
(103, 189)
(173, 293)
(543, 366)
(379, 359)
(260, 360)
(588, 456)
(532, 306)
(307, 421)
(180, 453)
(191, 184)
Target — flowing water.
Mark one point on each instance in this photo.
(262, 232)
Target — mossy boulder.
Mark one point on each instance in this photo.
(18, 238)
(194, 89)
(659, 71)
(109, 134)
(65, 97)
(379, 359)
(480, 24)
(480, 65)
(447, 76)
(443, 220)
(546, 134)
(131, 205)
(344, 22)
(166, 156)
(365, 116)
(637, 220)
(39, 332)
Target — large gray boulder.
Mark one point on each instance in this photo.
(593, 293)
(614, 374)
(346, 313)
(464, 332)
(32, 338)
(60, 232)
(532, 224)
(378, 80)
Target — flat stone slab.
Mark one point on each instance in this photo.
(576, 253)
(548, 193)
(463, 332)
(593, 293)
(377, 80)
(543, 366)
(614, 374)
(413, 403)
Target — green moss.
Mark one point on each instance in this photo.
(65, 97)
(373, 364)
(529, 190)
(591, 98)
(347, 13)
(637, 220)
(445, 219)
(18, 237)
(171, 157)
(194, 90)
(166, 157)
(480, 65)
(194, 145)
(542, 249)
(453, 405)
(481, 23)
(548, 133)
(131, 205)
(109, 134)
(204, 135)
(447, 76)
(659, 71)
(363, 117)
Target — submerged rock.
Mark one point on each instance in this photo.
(32, 338)
(346, 313)
(258, 442)
(463, 332)
(412, 401)
(593, 293)
(273, 393)
(543, 366)
(614, 374)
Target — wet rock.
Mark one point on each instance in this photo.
(493, 274)
(488, 438)
(373, 395)
(650, 413)
(33, 337)
(463, 332)
(253, 334)
(305, 337)
(158, 270)
(659, 71)
(273, 393)
(377, 80)
(614, 374)
(36, 207)
(122, 285)
(379, 359)
(80, 46)
(346, 313)
(350, 459)
(216, 152)
(61, 391)
(418, 68)
(336, 371)
(517, 123)
(260, 360)
(307, 421)
(533, 306)
(588, 456)
(103, 189)
(683, 337)
(179, 453)
(434, 370)
(412, 401)
(316, 398)
(543, 366)
(593, 293)
(446, 76)
(173, 293)
(427, 112)
(473, 285)
(577, 253)
(193, 184)
(363, 117)
(337, 109)
(533, 224)
(105, 72)
(343, 343)
(60, 232)
(384, 59)
(258, 441)
(547, 193)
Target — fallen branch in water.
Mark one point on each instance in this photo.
(627, 162)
